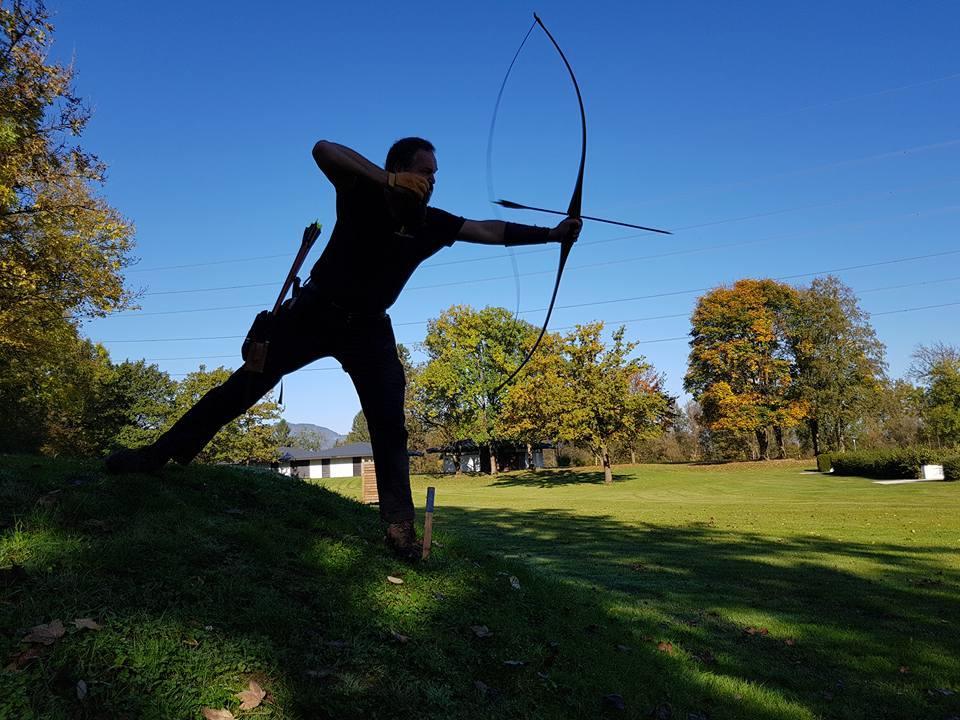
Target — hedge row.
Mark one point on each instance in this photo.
(896, 464)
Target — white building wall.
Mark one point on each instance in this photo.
(341, 468)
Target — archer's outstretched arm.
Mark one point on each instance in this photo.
(497, 232)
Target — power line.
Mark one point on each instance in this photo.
(209, 262)
(236, 337)
(662, 294)
(652, 256)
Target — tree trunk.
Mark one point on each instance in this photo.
(762, 444)
(458, 463)
(841, 440)
(530, 465)
(781, 448)
(493, 461)
(814, 435)
(633, 456)
(607, 470)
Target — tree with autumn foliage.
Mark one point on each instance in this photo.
(62, 247)
(470, 353)
(740, 367)
(535, 403)
(588, 392)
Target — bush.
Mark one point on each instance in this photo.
(899, 463)
(824, 462)
(951, 467)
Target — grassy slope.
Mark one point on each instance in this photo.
(207, 577)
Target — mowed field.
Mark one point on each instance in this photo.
(754, 591)
(834, 594)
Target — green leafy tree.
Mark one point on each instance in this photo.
(838, 361)
(307, 439)
(249, 438)
(470, 353)
(895, 418)
(359, 432)
(740, 365)
(130, 405)
(938, 369)
(281, 433)
(615, 397)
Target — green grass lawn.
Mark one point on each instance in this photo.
(734, 591)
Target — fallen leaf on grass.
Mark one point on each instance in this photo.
(943, 692)
(514, 663)
(45, 634)
(81, 689)
(665, 647)
(211, 714)
(87, 624)
(397, 637)
(249, 699)
(638, 567)
(614, 701)
(623, 648)
(22, 659)
(191, 642)
(755, 631)
(394, 580)
(789, 642)
(706, 657)
(320, 674)
(514, 582)
(903, 670)
(481, 631)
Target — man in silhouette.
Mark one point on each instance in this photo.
(385, 228)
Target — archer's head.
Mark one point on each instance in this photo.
(414, 155)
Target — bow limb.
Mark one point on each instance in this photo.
(573, 209)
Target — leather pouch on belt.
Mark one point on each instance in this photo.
(257, 343)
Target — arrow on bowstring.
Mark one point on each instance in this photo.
(517, 206)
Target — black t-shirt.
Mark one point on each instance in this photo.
(370, 255)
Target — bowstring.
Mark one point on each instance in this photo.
(491, 193)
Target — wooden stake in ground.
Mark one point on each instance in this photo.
(428, 523)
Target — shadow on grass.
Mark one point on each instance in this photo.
(881, 642)
(555, 477)
(206, 577)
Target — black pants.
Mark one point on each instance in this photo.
(310, 329)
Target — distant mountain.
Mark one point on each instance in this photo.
(328, 438)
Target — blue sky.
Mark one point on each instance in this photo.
(776, 139)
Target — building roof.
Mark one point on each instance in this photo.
(352, 450)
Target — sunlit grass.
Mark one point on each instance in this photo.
(737, 591)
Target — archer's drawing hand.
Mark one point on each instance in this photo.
(409, 182)
(567, 231)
